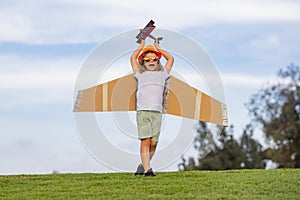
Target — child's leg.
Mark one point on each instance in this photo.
(152, 149)
(145, 153)
(156, 119)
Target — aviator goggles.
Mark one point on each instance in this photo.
(151, 58)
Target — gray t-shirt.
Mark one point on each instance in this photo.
(149, 95)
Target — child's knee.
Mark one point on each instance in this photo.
(153, 144)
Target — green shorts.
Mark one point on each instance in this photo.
(149, 124)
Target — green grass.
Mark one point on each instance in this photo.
(234, 184)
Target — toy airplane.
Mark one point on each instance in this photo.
(145, 32)
(183, 100)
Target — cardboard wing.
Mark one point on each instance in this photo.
(183, 100)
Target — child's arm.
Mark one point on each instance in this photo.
(167, 56)
(133, 59)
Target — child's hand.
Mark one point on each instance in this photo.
(156, 45)
(142, 44)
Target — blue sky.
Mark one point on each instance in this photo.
(44, 43)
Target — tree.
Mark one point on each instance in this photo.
(226, 153)
(277, 109)
(254, 156)
(204, 143)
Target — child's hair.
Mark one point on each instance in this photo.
(142, 67)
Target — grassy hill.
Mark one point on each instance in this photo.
(233, 184)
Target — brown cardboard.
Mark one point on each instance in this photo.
(183, 100)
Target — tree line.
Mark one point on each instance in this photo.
(275, 110)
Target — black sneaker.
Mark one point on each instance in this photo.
(149, 173)
(139, 170)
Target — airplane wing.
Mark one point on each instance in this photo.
(183, 100)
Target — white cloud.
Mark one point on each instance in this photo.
(14, 27)
(26, 82)
(269, 42)
(66, 21)
(25, 72)
(60, 78)
(247, 81)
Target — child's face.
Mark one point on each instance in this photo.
(151, 62)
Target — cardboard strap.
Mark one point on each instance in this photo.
(183, 100)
